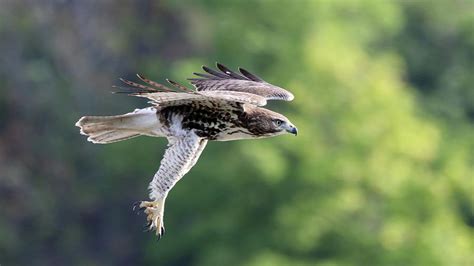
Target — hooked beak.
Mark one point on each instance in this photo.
(293, 130)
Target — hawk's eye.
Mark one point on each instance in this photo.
(278, 122)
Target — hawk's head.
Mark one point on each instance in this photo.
(265, 123)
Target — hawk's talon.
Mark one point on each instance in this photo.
(147, 227)
(136, 205)
(154, 213)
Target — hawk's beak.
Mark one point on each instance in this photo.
(293, 130)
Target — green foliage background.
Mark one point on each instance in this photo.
(380, 174)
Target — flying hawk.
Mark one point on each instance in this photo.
(225, 105)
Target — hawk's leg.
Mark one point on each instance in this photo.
(154, 211)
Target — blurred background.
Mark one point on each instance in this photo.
(380, 174)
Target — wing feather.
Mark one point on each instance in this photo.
(228, 80)
(164, 99)
(250, 76)
(203, 75)
(236, 96)
(227, 85)
(229, 72)
(153, 83)
(214, 73)
(163, 96)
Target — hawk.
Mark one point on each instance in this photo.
(225, 105)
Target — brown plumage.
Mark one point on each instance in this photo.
(225, 106)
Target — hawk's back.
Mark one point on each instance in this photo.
(212, 120)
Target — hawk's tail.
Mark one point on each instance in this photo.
(108, 129)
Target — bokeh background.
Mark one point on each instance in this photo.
(380, 174)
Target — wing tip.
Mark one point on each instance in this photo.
(220, 66)
(249, 75)
(290, 97)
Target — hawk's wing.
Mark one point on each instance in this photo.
(176, 98)
(164, 96)
(227, 80)
(181, 155)
(214, 86)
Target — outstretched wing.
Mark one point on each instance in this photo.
(227, 80)
(176, 98)
(164, 96)
(181, 155)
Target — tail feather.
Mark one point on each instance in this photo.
(109, 129)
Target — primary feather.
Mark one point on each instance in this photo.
(227, 80)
